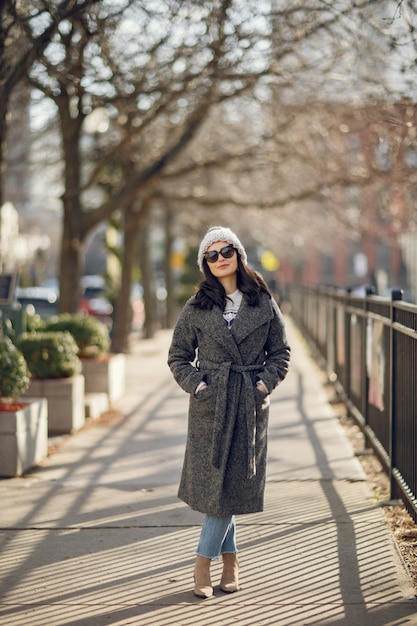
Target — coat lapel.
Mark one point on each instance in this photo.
(247, 321)
(213, 322)
(249, 318)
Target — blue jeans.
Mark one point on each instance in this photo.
(218, 535)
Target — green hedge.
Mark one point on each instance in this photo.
(50, 354)
(14, 372)
(34, 323)
(91, 335)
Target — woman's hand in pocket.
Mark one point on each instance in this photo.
(261, 387)
(200, 387)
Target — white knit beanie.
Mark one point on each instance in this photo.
(219, 233)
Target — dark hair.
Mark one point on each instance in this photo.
(211, 291)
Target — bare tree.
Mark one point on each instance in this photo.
(25, 32)
(339, 143)
(158, 75)
(157, 91)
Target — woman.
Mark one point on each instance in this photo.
(229, 351)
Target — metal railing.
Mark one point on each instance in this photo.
(369, 348)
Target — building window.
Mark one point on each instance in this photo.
(382, 155)
(410, 157)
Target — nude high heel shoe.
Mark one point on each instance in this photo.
(230, 578)
(202, 581)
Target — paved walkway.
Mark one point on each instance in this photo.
(97, 536)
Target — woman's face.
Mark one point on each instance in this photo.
(222, 268)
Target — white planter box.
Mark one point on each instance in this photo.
(106, 375)
(66, 410)
(23, 437)
(96, 404)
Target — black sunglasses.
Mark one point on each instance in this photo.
(212, 255)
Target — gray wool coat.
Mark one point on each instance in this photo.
(225, 457)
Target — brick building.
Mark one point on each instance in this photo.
(372, 239)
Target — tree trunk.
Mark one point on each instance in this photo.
(5, 93)
(123, 309)
(70, 266)
(169, 279)
(134, 220)
(148, 283)
(73, 233)
(3, 115)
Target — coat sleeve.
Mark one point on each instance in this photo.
(277, 351)
(182, 352)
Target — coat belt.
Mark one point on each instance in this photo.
(220, 418)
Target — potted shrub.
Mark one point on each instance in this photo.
(104, 372)
(23, 424)
(55, 368)
(91, 336)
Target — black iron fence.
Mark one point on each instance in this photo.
(369, 347)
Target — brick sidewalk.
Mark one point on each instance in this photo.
(97, 535)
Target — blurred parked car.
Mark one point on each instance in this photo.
(94, 300)
(38, 300)
(51, 283)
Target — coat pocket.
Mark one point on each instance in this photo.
(262, 399)
(206, 393)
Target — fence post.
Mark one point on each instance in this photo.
(348, 341)
(396, 295)
(369, 291)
